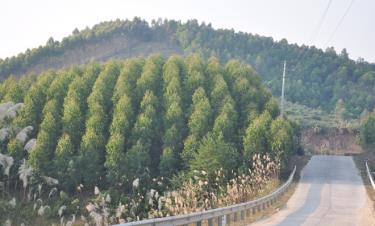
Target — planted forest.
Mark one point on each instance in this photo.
(145, 137)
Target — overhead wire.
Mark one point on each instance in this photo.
(340, 22)
(317, 29)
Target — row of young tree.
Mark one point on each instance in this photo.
(316, 78)
(106, 125)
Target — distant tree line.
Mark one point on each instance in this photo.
(315, 78)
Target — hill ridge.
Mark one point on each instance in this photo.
(316, 78)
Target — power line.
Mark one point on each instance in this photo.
(316, 31)
(340, 22)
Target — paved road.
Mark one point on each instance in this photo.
(330, 192)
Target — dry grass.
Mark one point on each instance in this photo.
(204, 191)
(199, 193)
(298, 161)
(255, 214)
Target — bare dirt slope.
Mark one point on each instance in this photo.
(330, 192)
(331, 141)
(118, 47)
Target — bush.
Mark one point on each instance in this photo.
(367, 132)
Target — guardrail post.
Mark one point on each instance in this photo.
(228, 219)
(242, 215)
(199, 223)
(235, 216)
(220, 221)
(370, 176)
(209, 221)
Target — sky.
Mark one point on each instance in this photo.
(28, 24)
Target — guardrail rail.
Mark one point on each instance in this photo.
(222, 216)
(370, 176)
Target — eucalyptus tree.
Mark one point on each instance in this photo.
(173, 118)
(34, 101)
(92, 148)
(257, 137)
(198, 124)
(143, 155)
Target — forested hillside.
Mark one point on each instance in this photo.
(136, 125)
(315, 78)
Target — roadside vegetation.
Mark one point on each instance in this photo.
(367, 141)
(367, 132)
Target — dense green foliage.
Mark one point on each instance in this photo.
(110, 124)
(92, 149)
(367, 131)
(316, 78)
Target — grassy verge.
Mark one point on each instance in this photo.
(299, 162)
(360, 160)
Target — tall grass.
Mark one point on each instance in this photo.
(199, 192)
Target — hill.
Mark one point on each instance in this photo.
(316, 78)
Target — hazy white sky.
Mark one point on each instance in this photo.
(29, 23)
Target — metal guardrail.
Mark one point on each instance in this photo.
(223, 214)
(370, 176)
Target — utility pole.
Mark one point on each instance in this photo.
(283, 91)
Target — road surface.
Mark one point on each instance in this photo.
(330, 192)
